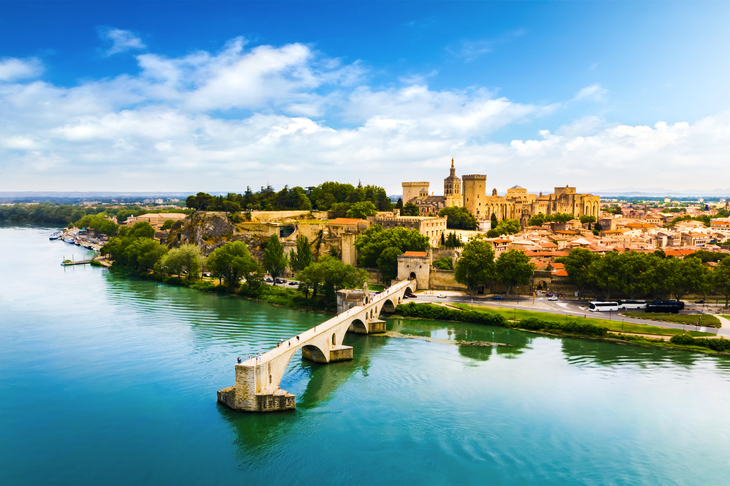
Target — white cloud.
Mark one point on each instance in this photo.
(594, 92)
(290, 115)
(121, 40)
(12, 69)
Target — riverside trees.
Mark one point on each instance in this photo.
(134, 248)
(233, 262)
(331, 275)
(275, 261)
(186, 259)
(637, 274)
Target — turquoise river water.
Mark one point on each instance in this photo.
(110, 380)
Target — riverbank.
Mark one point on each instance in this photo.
(268, 294)
(684, 341)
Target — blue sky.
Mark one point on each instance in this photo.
(219, 95)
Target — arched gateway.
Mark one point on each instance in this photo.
(257, 380)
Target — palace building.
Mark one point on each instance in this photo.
(470, 193)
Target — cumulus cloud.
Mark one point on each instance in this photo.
(291, 115)
(121, 40)
(12, 69)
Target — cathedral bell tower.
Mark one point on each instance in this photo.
(452, 189)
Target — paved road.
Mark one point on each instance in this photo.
(566, 307)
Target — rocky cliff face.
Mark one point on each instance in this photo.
(210, 230)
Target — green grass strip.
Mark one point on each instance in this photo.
(612, 325)
(704, 319)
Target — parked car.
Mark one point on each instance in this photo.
(497, 297)
(268, 279)
(441, 296)
(553, 297)
(413, 296)
(280, 281)
(701, 301)
(292, 282)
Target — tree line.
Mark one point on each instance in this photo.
(232, 264)
(328, 196)
(647, 275)
(66, 215)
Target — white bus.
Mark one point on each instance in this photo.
(596, 306)
(632, 304)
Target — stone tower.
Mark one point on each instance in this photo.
(414, 189)
(475, 195)
(452, 189)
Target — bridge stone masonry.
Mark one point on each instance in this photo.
(257, 380)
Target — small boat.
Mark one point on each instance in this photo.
(70, 240)
(55, 235)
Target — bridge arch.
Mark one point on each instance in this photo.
(388, 307)
(315, 353)
(359, 327)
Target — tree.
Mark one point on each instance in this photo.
(99, 224)
(537, 220)
(475, 267)
(399, 204)
(232, 262)
(140, 230)
(560, 217)
(451, 241)
(687, 276)
(514, 268)
(458, 218)
(587, 219)
(388, 263)
(300, 258)
(167, 224)
(606, 275)
(275, 261)
(200, 202)
(505, 227)
(187, 258)
(362, 210)
(410, 209)
(376, 240)
(493, 220)
(331, 274)
(577, 264)
(721, 278)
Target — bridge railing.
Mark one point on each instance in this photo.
(324, 327)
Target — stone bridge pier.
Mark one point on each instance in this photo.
(257, 379)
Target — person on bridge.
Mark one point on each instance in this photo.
(239, 360)
(297, 338)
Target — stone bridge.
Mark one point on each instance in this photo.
(257, 379)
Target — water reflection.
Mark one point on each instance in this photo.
(258, 434)
(585, 352)
(518, 341)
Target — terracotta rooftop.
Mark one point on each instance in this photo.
(419, 254)
(346, 221)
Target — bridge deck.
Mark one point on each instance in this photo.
(323, 328)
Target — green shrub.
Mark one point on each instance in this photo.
(721, 344)
(444, 263)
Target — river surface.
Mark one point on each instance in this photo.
(110, 380)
